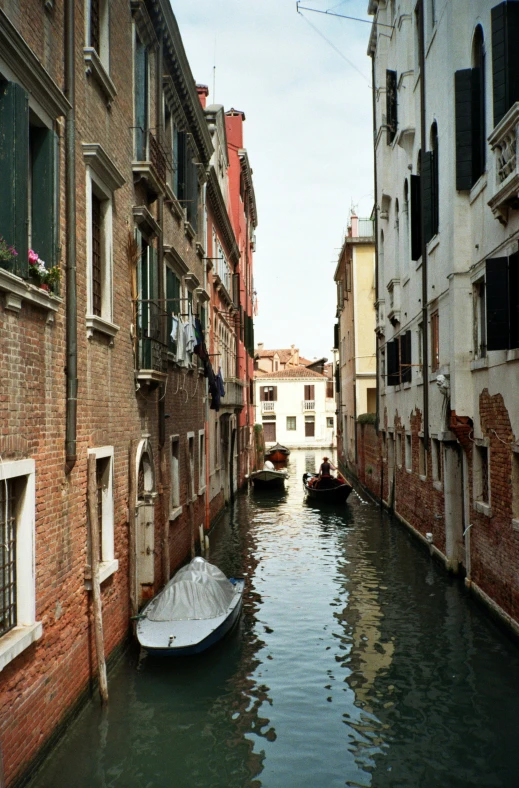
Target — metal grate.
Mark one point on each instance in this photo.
(96, 255)
(95, 24)
(7, 557)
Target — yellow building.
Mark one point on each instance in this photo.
(355, 333)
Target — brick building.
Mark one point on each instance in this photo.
(105, 157)
(447, 231)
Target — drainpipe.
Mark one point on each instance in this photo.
(70, 211)
(160, 249)
(423, 145)
(377, 353)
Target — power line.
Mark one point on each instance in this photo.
(341, 16)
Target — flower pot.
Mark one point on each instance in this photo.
(44, 286)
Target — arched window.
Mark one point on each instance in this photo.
(470, 113)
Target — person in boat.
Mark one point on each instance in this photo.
(325, 471)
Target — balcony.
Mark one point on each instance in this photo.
(233, 399)
(267, 407)
(150, 163)
(503, 141)
(150, 349)
(393, 288)
(380, 326)
(308, 404)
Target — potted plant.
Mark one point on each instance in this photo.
(7, 253)
(46, 278)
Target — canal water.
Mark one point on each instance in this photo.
(357, 662)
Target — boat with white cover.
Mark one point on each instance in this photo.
(269, 476)
(193, 611)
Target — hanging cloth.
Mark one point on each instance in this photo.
(189, 330)
(174, 328)
(181, 343)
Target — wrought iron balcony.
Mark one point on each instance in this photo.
(150, 348)
(503, 142)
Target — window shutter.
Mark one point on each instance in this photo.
(262, 394)
(141, 100)
(336, 335)
(416, 218)
(427, 195)
(505, 57)
(236, 289)
(172, 303)
(43, 199)
(181, 169)
(463, 89)
(14, 173)
(393, 377)
(391, 105)
(405, 351)
(513, 284)
(274, 393)
(498, 317)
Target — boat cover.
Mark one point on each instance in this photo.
(198, 590)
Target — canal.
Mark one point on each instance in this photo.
(357, 662)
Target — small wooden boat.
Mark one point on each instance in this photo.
(277, 453)
(193, 611)
(269, 476)
(328, 489)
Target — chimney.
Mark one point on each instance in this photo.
(203, 92)
(354, 226)
(261, 345)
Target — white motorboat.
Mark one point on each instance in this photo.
(193, 611)
(269, 476)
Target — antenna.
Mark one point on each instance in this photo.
(214, 73)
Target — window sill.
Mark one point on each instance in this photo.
(407, 386)
(479, 186)
(18, 290)
(422, 477)
(201, 491)
(189, 231)
(479, 363)
(106, 570)
(102, 326)
(438, 485)
(17, 640)
(433, 243)
(95, 68)
(515, 525)
(174, 513)
(512, 355)
(173, 204)
(483, 508)
(419, 380)
(409, 470)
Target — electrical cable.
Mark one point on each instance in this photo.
(338, 51)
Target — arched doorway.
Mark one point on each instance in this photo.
(145, 521)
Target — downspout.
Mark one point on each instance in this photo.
(160, 250)
(206, 384)
(423, 144)
(70, 217)
(377, 353)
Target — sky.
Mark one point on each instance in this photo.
(304, 83)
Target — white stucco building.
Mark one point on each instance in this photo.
(296, 407)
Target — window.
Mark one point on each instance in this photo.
(481, 476)
(187, 178)
(329, 422)
(291, 422)
(419, 338)
(399, 449)
(309, 426)
(422, 458)
(268, 393)
(435, 342)
(416, 218)
(309, 393)
(399, 364)
(436, 448)
(216, 446)
(430, 195)
(17, 539)
(141, 99)
(173, 305)
(28, 172)
(480, 319)
(391, 105)
(470, 111)
(505, 64)
(175, 474)
(502, 302)
(408, 453)
(105, 509)
(201, 461)
(191, 466)
(329, 389)
(405, 212)
(98, 29)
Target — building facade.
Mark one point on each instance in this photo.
(108, 162)
(355, 334)
(445, 81)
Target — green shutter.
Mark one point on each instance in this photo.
(427, 195)
(181, 169)
(505, 58)
(391, 105)
(464, 128)
(141, 100)
(498, 304)
(416, 218)
(14, 173)
(43, 208)
(172, 304)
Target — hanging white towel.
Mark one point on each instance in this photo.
(181, 344)
(189, 330)
(174, 328)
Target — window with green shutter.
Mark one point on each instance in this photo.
(173, 305)
(14, 174)
(505, 58)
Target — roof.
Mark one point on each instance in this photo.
(290, 372)
(284, 354)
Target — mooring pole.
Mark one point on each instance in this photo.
(96, 585)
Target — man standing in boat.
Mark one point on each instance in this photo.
(325, 471)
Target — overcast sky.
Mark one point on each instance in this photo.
(308, 133)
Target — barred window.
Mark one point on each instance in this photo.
(8, 599)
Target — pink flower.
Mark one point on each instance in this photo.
(33, 257)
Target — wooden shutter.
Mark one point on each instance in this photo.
(172, 303)
(393, 376)
(274, 393)
(141, 100)
(43, 150)
(336, 335)
(416, 218)
(405, 353)
(427, 195)
(14, 173)
(505, 57)
(513, 286)
(498, 304)
(391, 105)
(262, 393)
(464, 128)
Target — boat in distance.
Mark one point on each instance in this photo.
(193, 611)
(277, 453)
(327, 489)
(268, 476)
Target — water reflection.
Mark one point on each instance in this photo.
(356, 662)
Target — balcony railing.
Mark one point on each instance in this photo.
(309, 404)
(150, 349)
(267, 406)
(503, 141)
(234, 395)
